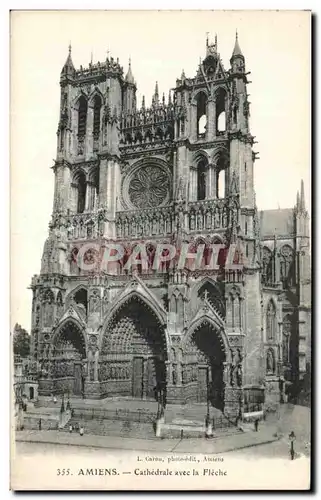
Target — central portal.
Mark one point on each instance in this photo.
(133, 355)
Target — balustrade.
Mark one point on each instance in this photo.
(135, 224)
(200, 216)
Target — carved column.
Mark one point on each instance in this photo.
(89, 132)
(210, 130)
(96, 366)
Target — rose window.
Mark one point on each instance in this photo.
(148, 187)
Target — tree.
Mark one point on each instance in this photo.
(21, 341)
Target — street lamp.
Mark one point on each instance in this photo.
(292, 438)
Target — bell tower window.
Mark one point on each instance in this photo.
(82, 116)
(220, 111)
(201, 180)
(201, 115)
(97, 108)
(81, 188)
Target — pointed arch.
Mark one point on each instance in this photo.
(78, 294)
(130, 295)
(134, 336)
(216, 324)
(94, 94)
(200, 155)
(72, 330)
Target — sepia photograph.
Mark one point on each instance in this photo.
(160, 250)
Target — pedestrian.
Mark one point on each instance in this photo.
(55, 399)
(81, 430)
(256, 424)
(70, 428)
(40, 424)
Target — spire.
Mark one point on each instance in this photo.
(163, 99)
(156, 95)
(183, 75)
(297, 200)
(129, 76)
(302, 198)
(169, 97)
(237, 50)
(68, 67)
(143, 102)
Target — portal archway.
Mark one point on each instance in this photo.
(133, 353)
(205, 350)
(67, 359)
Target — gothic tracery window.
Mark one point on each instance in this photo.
(271, 321)
(148, 187)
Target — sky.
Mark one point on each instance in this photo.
(276, 46)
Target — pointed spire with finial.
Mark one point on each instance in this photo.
(297, 200)
(68, 68)
(143, 102)
(163, 99)
(237, 50)
(156, 95)
(183, 75)
(129, 76)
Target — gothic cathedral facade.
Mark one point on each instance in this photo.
(177, 172)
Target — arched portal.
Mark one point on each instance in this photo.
(133, 352)
(205, 350)
(67, 361)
